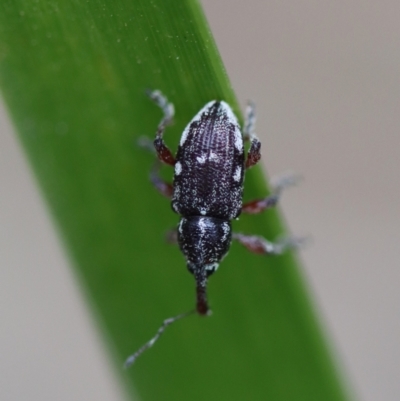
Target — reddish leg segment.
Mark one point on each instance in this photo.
(165, 188)
(258, 205)
(253, 155)
(163, 152)
(260, 245)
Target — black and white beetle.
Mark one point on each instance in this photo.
(207, 192)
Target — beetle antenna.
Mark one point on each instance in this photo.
(132, 359)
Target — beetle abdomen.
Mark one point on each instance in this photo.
(209, 166)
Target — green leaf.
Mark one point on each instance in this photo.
(73, 75)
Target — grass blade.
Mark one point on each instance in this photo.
(74, 75)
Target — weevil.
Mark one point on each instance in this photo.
(207, 192)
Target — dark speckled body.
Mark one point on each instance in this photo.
(209, 166)
(208, 184)
(207, 190)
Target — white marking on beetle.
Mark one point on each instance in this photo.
(233, 120)
(238, 140)
(203, 212)
(175, 204)
(212, 267)
(229, 113)
(226, 229)
(237, 174)
(214, 157)
(184, 135)
(178, 168)
(202, 226)
(196, 118)
(201, 159)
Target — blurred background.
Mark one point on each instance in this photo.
(326, 80)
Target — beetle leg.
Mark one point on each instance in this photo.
(260, 245)
(258, 205)
(165, 188)
(281, 183)
(253, 155)
(146, 143)
(250, 121)
(163, 152)
(171, 236)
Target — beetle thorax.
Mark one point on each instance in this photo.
(204, 241)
